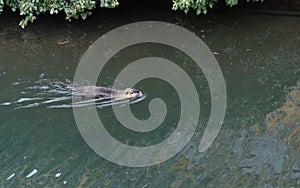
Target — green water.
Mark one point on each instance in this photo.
(259, 56)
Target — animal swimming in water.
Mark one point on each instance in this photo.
(103, 96)
(108, 93)
(59, 95)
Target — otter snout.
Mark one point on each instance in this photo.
(137, 93)
(132, 93)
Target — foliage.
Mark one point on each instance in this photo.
(82, 8)
(72, 8)
(201, 5)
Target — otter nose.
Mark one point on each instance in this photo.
(136, 93)
(139, 93)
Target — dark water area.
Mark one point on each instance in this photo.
(257, 146)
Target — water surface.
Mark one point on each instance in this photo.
(258, 145)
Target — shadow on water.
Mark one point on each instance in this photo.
(258, 145)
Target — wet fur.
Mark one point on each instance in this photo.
(107, 93)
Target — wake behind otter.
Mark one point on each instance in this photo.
(59, 95)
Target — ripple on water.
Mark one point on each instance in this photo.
(59, 95)
(32, 173)
(11, 176)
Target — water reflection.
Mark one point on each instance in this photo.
(255, 156)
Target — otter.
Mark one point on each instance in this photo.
(108, 93)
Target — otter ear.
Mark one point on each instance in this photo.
(127, 90)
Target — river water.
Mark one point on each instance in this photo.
(257, 146)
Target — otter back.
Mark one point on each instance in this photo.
(98, 92)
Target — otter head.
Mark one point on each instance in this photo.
(132, 93)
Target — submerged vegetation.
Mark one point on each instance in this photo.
(30, 9)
